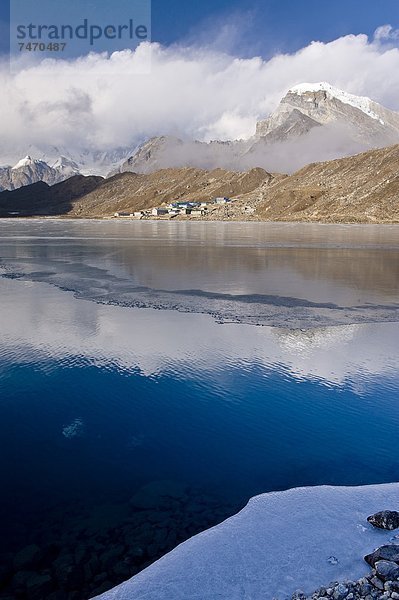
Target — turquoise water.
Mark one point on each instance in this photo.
(233, 362)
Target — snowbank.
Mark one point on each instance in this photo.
(278, 543)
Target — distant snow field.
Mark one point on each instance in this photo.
(280, 542)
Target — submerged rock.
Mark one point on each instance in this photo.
(159, 494)
(28, 557)
(39, 586)
(386, 519)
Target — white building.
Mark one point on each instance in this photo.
(159, 212)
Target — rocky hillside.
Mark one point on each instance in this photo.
(97, 197)
(362, 188)
(41, 199)
(130, 192)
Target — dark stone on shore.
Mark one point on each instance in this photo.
(386, 519)
(299, 595)
(365, 588)
(388, 552)
(377, 583)
(340, 592)
(392, 586)
(387, 570)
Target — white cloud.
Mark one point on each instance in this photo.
(386, 32)
(201, 93)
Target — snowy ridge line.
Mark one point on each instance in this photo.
(363, 103)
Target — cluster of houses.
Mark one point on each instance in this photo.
(194, 209)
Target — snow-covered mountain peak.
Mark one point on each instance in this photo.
(24, 162)
(363, 103)
(313, 122)
(62, 163)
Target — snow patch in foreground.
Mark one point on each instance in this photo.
(278, 543)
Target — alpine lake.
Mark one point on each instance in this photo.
(156, 375)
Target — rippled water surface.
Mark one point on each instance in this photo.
(211, 361)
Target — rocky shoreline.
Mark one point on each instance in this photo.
(382, 583)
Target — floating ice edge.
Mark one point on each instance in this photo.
(280, 542)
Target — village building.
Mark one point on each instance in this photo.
(159, 212)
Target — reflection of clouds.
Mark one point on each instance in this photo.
(337, 353)
(308, 340)
(41, 321)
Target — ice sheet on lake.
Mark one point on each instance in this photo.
(292, 276)
(280, 542)
(100, 286)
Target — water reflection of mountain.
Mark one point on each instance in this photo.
(284, 276)
(283, 271)
(54, 324)
(346, 265)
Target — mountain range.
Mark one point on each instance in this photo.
(313, 122)
(359, 189)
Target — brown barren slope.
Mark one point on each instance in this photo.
(362, 188)
(359, 189)
(129, 192)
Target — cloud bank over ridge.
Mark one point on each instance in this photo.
(194, 92)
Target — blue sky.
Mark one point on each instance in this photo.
(261, 27)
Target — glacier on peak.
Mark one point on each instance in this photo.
(363, 103)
